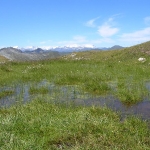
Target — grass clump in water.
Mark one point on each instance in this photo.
(131, 93)
(6, 93)
(38, 90)
(97, 87)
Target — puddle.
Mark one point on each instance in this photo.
(76, 96)
(141, 109)
(22, 93)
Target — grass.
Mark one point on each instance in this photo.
(6, 93)
(41, 125)
(44, 124)
(40, 90)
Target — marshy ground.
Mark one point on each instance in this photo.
(43, 123)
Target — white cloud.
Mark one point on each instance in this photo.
(147, 20)
(137, 36)
(110, 20)
(107, 29)
(91, 23)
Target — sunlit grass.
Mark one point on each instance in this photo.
(41, 125)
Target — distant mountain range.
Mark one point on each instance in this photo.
(69, 48)
(59, 49)
(18, 55)
(33, 53)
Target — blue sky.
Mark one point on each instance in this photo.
(47, 23)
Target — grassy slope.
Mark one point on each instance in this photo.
(3, 59)
(126, 54)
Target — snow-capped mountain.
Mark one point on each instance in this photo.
(70, 49)
(67, 48)
(28, 48)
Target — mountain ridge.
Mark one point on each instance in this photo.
(69, 48)
(37, 53)
(14, 54)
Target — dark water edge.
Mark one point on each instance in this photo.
(141, 109)
(75, 96)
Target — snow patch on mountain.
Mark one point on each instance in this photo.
(68, 48)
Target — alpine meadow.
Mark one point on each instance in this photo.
(41, 101)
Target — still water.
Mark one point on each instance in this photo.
(76, 96)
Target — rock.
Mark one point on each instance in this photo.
(142, 59)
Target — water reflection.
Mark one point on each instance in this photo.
(76, 96)
(141, 109)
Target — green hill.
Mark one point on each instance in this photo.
(125, 54)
